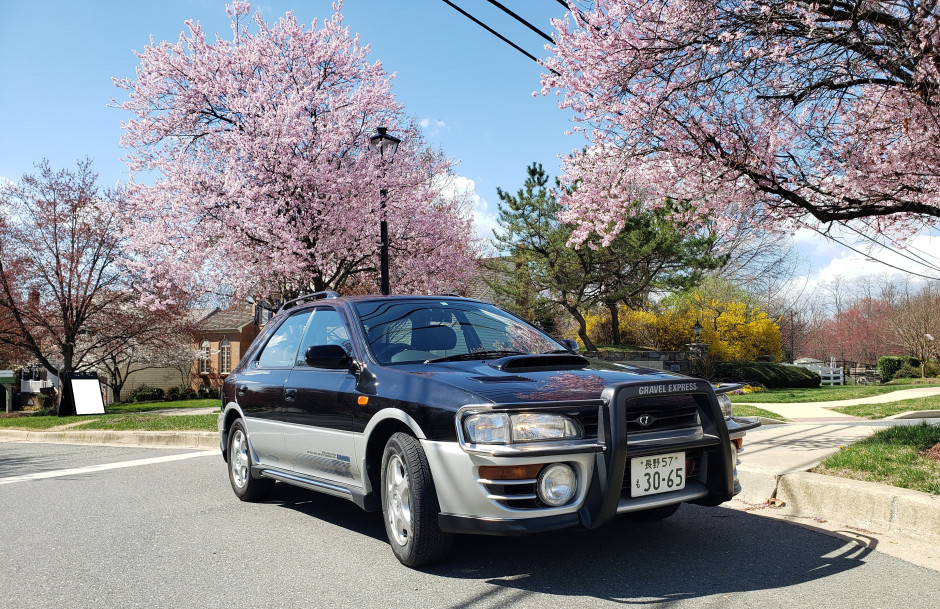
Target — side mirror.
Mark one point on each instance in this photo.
(332, 357)
(570, 345)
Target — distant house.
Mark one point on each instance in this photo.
(221, 338)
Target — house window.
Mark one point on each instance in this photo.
(225, 357)
(204, 358)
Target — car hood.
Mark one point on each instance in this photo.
(515, 384)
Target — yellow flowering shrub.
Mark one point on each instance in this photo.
(734, 331)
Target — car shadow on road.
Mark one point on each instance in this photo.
(329, 509)
(698, 552)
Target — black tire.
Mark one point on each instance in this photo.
(409, 504)
(654, 514)
(245, 486)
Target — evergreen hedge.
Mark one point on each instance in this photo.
(889, 365)
(768, 374)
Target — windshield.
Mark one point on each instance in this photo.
(403, 331)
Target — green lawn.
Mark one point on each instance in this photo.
(892, 456)
(823, 394)
(37, 422)
(880, 411)
(154, 422)
(746, 410)
(125, 417)
(150, 406)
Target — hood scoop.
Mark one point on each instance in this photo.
(542, 361)
(502, 379)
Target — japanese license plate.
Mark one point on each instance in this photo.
(657, 474)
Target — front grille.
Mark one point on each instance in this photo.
(662, 413)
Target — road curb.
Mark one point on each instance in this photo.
(864, 505)
(168, 439)
(915, 414)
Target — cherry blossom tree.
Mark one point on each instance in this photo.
(797, 111)
(59, 280)
(252, 173)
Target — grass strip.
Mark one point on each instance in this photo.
(151, 406)
(880, 411)
(153, 422)
(746, 410)
(822, 394)
(892, 456)
(37, 422)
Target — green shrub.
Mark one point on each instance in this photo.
(769, 374)
(146, 393)
(889, 365)
(907, 371)
(173, 393)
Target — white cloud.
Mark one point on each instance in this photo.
(484, 217)
(432, 126)
(857, 257)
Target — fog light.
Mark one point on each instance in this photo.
(557, 485)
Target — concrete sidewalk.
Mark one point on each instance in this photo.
(775, 482)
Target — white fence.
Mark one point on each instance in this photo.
(830, 375)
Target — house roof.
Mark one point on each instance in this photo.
(233, 319)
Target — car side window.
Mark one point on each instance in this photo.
(325, 328)
(281, 349)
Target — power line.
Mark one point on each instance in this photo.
(521, 20)
(915, 258)
(500, 36)
(861, 253)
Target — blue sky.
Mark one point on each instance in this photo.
(57, 59)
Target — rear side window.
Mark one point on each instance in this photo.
(281, 349)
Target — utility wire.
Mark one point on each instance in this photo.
(500, 36)
(521, 20)
(913, 257)
(861, 253)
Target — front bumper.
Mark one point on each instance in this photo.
(469, 503)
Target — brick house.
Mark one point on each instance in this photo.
(222, 337)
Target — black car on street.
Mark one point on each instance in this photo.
(451, 415)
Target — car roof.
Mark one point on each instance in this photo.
(315, 299)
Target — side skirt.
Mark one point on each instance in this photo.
(367, 501)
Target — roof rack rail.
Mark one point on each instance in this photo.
(308, 297)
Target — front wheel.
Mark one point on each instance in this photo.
(409, 504)
(239, 467)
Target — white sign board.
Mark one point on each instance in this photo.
(87, 393)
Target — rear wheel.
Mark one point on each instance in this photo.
(239, 467)
(654, 514)
(409, 504)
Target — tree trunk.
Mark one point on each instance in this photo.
(582, 328)
(614, 322)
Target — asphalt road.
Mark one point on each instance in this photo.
(170, 533)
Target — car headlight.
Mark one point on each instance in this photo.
(503, 428)
(725, 402)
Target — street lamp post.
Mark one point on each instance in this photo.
(697, 349)
(383, 142)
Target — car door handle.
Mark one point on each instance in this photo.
(242, 389)
(290, 394)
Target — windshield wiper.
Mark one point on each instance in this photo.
(473, 355)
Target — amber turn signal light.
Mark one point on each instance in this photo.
(510, 472)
